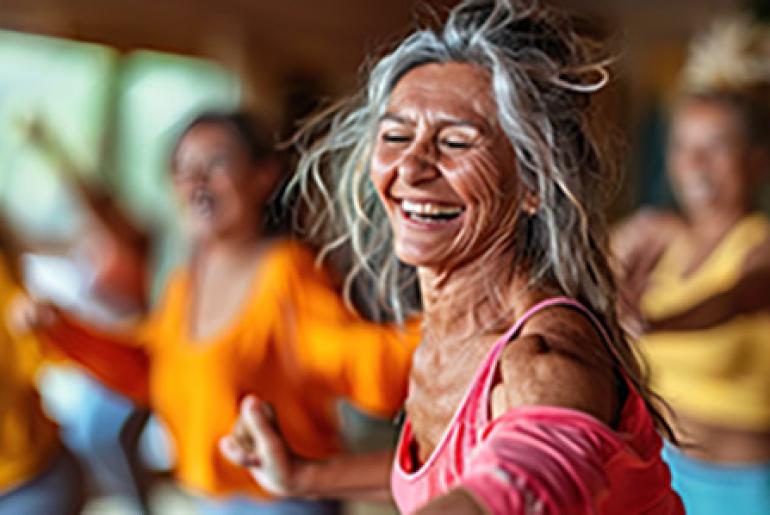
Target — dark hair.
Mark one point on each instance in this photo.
(250, 130)
(260, 144)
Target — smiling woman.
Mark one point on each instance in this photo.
(435, 156)
(472, 156)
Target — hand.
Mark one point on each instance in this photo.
(27, 314)
(255, 444)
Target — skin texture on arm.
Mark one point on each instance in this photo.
(559, 361)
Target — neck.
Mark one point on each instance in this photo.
(233, 245)
(462, 305)
(711, 226)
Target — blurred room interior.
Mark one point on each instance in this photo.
(112, 81)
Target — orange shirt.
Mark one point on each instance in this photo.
(295, 345)
(28, 440)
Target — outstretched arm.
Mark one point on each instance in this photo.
(256, 443)
(115, 360)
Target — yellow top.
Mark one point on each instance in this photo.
(294, 344)
(28, 439)
(720, 375)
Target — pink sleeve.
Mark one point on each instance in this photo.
(551, 461)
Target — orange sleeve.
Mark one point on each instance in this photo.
(365, 362)
(116, 361)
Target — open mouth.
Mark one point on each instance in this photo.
(699, 189)
(430, 212)
(203, 203)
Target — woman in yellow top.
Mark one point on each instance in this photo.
(701, 279)
(248, 314)
(36, 474)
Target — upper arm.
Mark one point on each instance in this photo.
(560, 360)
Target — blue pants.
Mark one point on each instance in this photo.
(246, 506)
(56, 491)
(715, 489)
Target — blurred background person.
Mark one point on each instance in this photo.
(700, 275)
(37, 474)
(129, 71)
(249, 313)
(105, 277)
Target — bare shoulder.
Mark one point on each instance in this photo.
(651, 219)
(646, 226)
(559, 360)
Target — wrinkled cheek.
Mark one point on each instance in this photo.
(483, 189)
(382, 175)
(491, 207)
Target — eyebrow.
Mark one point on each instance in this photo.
(443, 121)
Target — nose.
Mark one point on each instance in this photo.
(199, 177)
(419, 164)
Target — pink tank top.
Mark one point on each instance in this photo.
(543, 459)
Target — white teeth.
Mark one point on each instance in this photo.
(429, 209)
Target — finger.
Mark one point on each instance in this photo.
(241, 435)
(236, 454)
(254, 418)
(268, 445)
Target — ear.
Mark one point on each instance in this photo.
(530, 203)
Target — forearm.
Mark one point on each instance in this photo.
(711, 312)
(349, 476)
(111, 359)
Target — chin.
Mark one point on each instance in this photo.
(415, 257)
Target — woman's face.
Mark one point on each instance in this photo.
(441, 164)
(709, 159)
(220, 190)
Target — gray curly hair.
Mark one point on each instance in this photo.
(543, 74)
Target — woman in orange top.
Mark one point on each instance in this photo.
(248, 314)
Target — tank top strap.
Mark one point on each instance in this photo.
(483, 385)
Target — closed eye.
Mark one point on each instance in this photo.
(456, 144)
(395, 138)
